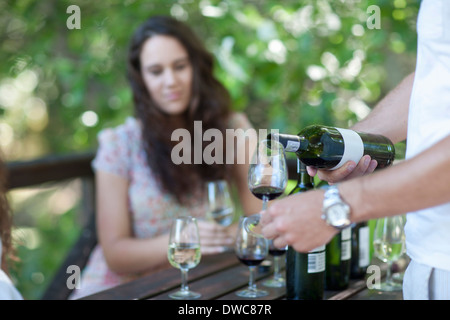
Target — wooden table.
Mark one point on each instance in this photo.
(218, 277)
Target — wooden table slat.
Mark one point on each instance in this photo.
(219, 277)
(224, 281)
(166, 279)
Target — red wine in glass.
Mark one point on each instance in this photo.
(276, 251)
(267, 178)
(251, 260)
(267, 192)
(251, 251)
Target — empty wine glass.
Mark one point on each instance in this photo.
(251, 251)
(184, 252)
(220, 204)
(389, 245)
(277, 281)
(267, 178)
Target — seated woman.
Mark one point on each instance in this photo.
(139, 187)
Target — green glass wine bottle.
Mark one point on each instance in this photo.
(338, 260)
(360, 250)
(305, 272)
(329, 147)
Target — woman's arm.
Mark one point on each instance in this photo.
(123, 252)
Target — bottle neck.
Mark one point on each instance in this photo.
(305, 181)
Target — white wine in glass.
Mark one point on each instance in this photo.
(389, 246)
(184, 253)
(220, 204)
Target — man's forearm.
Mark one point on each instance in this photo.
(403, 187)
(390, 115)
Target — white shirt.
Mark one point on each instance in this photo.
(7, 289)
(428, 231)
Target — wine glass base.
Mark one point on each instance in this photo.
(185, 295)
(390, 286)
(398, 277)
(274, 283)
(252, 293)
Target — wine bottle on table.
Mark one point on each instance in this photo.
(338, 260)
(329, 147)
(305, 272)
(360, 250)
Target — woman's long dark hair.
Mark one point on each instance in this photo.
(210, 103)
(5, 221)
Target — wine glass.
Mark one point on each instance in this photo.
(389, 245)
(267, 178)
(251, 251)
(277, 281)
(220, 205)
(184, 252)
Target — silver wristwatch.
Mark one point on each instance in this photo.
(335, 211)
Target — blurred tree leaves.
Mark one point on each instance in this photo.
(286, 64)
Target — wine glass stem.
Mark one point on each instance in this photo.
(251, 280)
(389, 273)
(265, 201)
(276, 262)
(184, 277)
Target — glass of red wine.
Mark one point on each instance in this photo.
(277, 281)
(267, 178)
(251, 251)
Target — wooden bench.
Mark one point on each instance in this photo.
(56, 169)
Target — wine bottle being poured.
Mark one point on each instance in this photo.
(329, 147)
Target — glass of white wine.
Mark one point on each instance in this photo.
(220, 204)
(184, 253)
(389, 245)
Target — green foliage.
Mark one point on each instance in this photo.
(286, 64)
(45, 230)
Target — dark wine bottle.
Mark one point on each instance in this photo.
(330, 147)
(305, 272)
(338, 260)
(360, 250)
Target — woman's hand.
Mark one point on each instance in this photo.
(214, 238)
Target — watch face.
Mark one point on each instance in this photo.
(338, 214)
